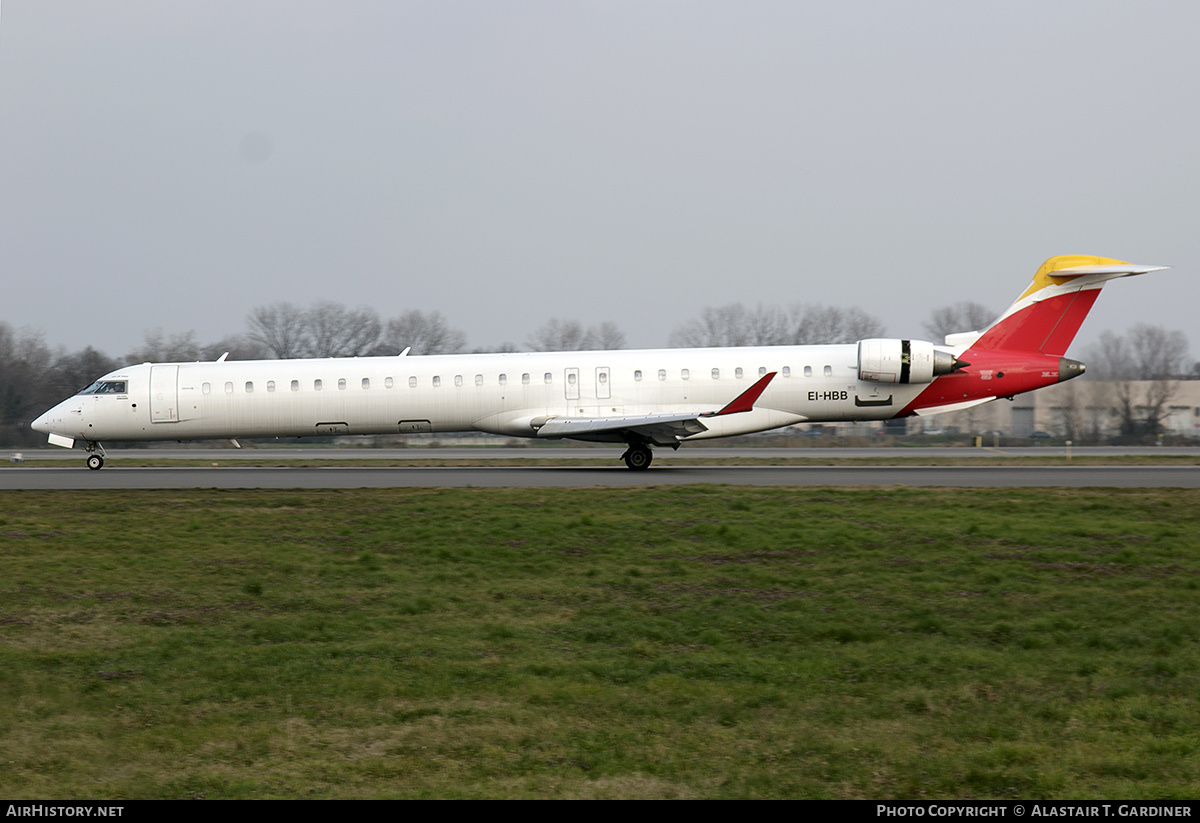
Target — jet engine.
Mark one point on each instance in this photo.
(902, 361)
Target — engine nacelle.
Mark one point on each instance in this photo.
(902, 361)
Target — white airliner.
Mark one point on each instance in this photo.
(642, 398)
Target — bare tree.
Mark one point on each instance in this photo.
(505, 346)
(821, 324)
(607, 337)
(570, 335)
(716, 326)
(558, 335)
(72, 372)
(423, 333)
(27, 387)
(238, 347)
(159, 347)
(735, 325)
(335, 331)
(1143, 368)
(960, 317)
(325, 329)
(281, 327)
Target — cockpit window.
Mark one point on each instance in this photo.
(106, 387)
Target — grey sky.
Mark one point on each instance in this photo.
(175, 164)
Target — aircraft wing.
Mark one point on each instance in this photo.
(660, 428)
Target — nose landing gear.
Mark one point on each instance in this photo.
(95, 459)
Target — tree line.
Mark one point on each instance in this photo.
(34, 375)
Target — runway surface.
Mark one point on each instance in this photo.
(337, 477)
(586, 467)
(610, 454)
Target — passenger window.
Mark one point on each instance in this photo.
(412, 382)
(685, 374)
(206, 388)
(317, 384)
(295, 385)
(716, 373)
(829, 371)
(341, 384)
(437, 381)
(637, 375)
(249, 387)
(525, 378)
(458, 379)
(479, 380)
(270, 385)
(366, 382)
(388, 382)
(504, 380)
(229, 388)
(549, 378)
(787, 371)
(738, 372)
(662, 374)
(808, 371)
(572, 378)
(762, 370)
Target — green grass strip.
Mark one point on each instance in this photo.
(679, 642)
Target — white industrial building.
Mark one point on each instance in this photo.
(1080, 409)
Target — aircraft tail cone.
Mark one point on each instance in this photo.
(1068, 368)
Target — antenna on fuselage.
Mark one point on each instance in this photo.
(221, 359)
(404, 353)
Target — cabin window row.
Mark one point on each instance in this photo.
(502, 379)
(739, 373)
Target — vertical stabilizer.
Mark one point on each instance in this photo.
(1047, 315)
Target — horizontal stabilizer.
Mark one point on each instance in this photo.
(1122, 270)
(1048, 314)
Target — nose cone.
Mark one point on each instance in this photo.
(55, 420)
(42, 424)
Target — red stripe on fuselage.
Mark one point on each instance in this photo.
(991, 374)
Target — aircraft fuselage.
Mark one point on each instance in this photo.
(506, 394)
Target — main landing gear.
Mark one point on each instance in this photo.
(95, 459)
(638, 456)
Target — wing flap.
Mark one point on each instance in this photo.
(660, 429)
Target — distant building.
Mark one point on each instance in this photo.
(1078, 409)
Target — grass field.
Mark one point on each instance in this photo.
(653, 642)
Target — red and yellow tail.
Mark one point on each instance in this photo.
(1047, 315)
(1023, 350)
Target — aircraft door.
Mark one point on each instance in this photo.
(571, 384)
(164, 394)
(603, 389)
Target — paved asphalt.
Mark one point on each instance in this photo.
(595, 467)
(609, 453)
(336, 477)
